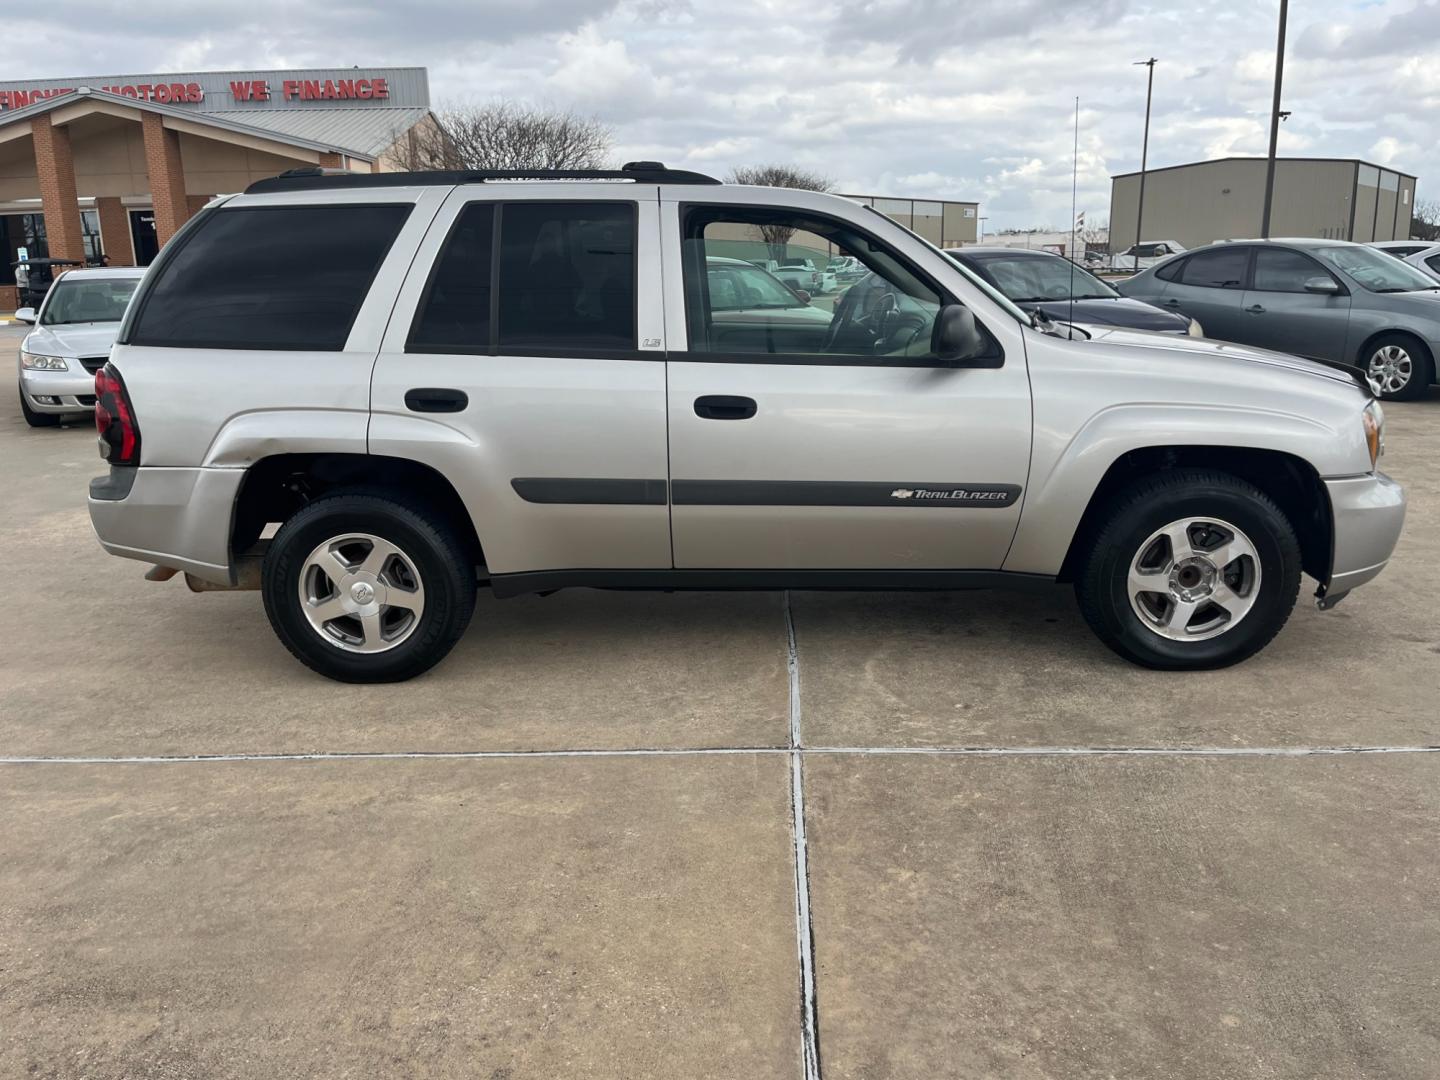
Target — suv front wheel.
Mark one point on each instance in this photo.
(1191, 570)
(363, 588)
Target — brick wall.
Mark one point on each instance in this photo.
(55, 169)
(115, 231)
(166, 175)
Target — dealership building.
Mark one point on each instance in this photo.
(112, 165)
(1224, 199)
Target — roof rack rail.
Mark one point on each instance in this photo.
(635, 172)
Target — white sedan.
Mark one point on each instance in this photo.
(1422, 254)
(74, 329)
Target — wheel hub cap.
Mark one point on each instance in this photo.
(1389, 370)
(361, 593)
(1194, 579)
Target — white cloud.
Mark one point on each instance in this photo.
(905, 97)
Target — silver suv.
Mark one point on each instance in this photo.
(367, 395)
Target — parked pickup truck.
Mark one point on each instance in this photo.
(423, 410)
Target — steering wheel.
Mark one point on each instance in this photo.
(863, 311)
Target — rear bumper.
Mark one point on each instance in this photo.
(172, 517)
(1369, 512)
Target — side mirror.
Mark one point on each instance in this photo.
(957, 339)
(1324, 285)
(801, 295)
(25, 315)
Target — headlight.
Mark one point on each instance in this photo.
(39, 362)
(1196, 330)
(1374, 420)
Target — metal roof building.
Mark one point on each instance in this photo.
(1205, 201)
(108, 166)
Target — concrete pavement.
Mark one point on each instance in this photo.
(634, 915)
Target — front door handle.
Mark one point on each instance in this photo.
(1172, 303)
(436, 399)
(724, 407)
(1255, 309)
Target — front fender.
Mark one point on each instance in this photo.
(1065, 472)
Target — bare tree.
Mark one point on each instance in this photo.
(777, 237)
(1425, 221)
(504, 136)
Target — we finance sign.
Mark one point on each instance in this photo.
(240, 91)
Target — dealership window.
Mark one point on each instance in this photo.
(269, 278)
(90, 233)
(454, 314)
(741, 299)
(567, 276)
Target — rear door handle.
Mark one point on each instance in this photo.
(436, 399)
(1172, 303)
(1255, 309)
(724, 407)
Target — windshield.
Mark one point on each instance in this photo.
(1031, 278)
(96, 300)
(1374, 270)
(736, 287)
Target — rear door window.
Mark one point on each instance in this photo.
(281, 277)
(1222, 268)
(567, 276)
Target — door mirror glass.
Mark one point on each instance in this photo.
(25, 315)
(1321, 285)
(957, 338)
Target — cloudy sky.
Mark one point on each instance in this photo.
(953, 98)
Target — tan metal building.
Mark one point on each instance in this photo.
(943, 223)
(1205, 201)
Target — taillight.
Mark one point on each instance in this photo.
(115, 419)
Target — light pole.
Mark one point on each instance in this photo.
(1144, 149)
(1274, 123)
(981, 221)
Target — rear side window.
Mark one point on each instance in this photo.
(1222, 268)
(454, 315)
(567, 276)
(289, 277)
(1170, 271)
(563, 281)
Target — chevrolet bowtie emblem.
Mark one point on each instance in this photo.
(902, 493)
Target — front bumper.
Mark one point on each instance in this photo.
(171, 517)
(1369, 512)
(58, 391)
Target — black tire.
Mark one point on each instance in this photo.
(446, 574)
(1422, 365)
(1149, 505)
(33, 418)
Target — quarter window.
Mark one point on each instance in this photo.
(751, 287)
(289, 277)
(454, 314)
(1279, 270)
(1221, 268)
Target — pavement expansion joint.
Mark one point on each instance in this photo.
(723, 751)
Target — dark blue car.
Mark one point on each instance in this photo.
(1040, 280)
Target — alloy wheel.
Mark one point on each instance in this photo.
(361, 593)
(1390, 370)
(1194, 579)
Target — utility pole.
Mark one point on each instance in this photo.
(1144, 150)
(1274, 123)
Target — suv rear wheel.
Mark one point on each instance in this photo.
(1191, 570)
(362, 587)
